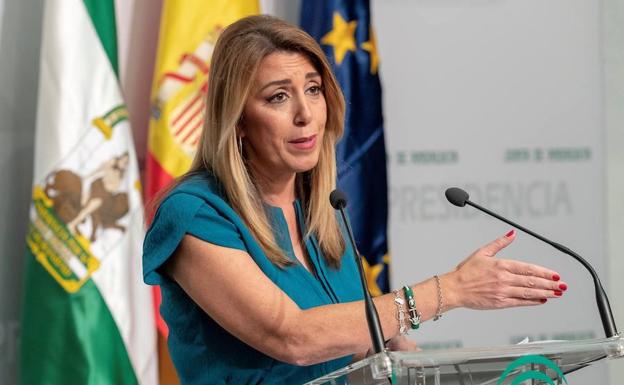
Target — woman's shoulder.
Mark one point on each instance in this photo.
(188, 196)
(194, 200)
(197, 186)
(194, 206)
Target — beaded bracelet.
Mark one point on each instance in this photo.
(411, 303)
(399, 302)
(438, 314)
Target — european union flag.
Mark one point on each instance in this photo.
(343, 28)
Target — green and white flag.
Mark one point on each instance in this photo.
(88, 317)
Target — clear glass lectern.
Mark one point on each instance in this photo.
(476, 366)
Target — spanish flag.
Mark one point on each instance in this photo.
(188, 32)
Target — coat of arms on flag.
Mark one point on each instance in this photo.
(80, 209)
(180, 95)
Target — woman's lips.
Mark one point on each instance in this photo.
(304, 143)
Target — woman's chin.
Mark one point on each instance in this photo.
(299, 162)
(301, 170)
(308, 165)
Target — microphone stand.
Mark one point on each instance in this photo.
(372, 317)
(382, 367)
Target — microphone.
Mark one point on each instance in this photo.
(459, 197)
(338, 200)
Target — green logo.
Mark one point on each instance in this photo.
(531, 374)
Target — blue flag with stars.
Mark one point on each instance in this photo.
(343, 29)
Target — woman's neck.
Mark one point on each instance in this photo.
(276, 190)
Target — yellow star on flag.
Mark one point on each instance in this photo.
(371, 273)
(341, 37)
(371, 47)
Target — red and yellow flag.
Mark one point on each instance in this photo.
(188, 32)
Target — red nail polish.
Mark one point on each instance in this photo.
(510, 233)
(563, 286)
(558, 293)
(543, 300)
(556, 277)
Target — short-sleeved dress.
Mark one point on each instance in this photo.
(202, 351)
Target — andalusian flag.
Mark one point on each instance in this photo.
(87, 315)
(188, 32)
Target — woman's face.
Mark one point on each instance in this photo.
(284, 117)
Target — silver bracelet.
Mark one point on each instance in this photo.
(438, 314)
(400, 304)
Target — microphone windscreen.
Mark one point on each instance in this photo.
(338, 199)
(456, 196)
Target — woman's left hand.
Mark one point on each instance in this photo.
(402, 343)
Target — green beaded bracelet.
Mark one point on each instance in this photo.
(414, 317)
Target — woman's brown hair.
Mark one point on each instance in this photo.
(238, 53)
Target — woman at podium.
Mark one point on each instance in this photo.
(258, 284)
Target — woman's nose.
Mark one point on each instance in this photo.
(303, 113)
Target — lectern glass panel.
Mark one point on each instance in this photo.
(477, 366)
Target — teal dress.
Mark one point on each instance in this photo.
(202, 351)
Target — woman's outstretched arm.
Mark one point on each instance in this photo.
(232, 289)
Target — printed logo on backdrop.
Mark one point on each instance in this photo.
(419, 201)
(180, 98)
(532, 367)
(81, 208)
(423, 157)
(553, 154)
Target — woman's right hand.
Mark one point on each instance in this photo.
(483, 281)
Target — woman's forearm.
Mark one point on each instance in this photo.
(332, 331)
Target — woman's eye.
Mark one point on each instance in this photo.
(314, 90)
(278, 98)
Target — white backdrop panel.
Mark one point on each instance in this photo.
(503, 98)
